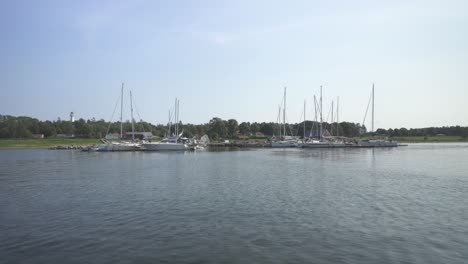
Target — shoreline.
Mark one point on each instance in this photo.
(12, 144)
(79, 146)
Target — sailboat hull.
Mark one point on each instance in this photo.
(377, 143)
(283, 144)
(119, 147)
(161, 146)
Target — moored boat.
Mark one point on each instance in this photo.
(375, 142)
(119, 146)
(175, 143)
(283, 141)
(168, 144)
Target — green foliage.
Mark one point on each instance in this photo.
(232, 128)
(216, 128)
(244, 128)
(416, 139)
(428, 131)
(254, 128)
(267, 128)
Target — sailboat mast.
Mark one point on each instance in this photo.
(321, 117)
(304, 119)
(372, 108)
(315, 108)
(332, 119)
(175, 116)
(178, 118)
(169, 124)
(284, 112)
(337, 115)
(279, 120)
(131, 111)
(121, 111)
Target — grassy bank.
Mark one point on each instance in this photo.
(44, 143)
(431, 139)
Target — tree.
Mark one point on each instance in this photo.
(217, 128)
(254, 128)
(47, 128)
(267, 128)
(244, 128)
(232, 127)
(403, 132)
(381, 131)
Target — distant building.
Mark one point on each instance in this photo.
(205, 139)
(38, 135)
(259, 134)
(72, 117)
(138, 135)
(243, 137)
(201, 139)
(113, 136)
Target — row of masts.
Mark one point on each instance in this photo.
(172, 115)
(282, 110)
(318, 106)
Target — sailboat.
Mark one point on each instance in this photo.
(283, 141)
(121, 145)
(375, 142)
(169, 143)
(322, 141)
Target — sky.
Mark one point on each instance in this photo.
(232, 59)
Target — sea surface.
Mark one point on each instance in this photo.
(397, 205)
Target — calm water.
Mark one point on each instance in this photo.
(402, 205)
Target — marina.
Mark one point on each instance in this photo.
(319, 138)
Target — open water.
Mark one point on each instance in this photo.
(397, 205)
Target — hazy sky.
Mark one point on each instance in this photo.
(231, 59)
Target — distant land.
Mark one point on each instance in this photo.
(24, 132)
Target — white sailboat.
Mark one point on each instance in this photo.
(375, 142)
(322, 141)
(121, 145)
(284, 141)
(169, 143)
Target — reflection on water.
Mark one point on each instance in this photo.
(391, 205)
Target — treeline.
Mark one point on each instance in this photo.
(428, 131)
(216, 128)
(219, 128)
(26, 127)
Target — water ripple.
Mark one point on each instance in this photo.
(403, 205)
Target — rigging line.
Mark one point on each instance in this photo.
(279, 119)
(299, 127)
(367, 109)
(112, 117)
(139, 117)
(328, 116)
(169, 123)
(315, 120)
(289, 127)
